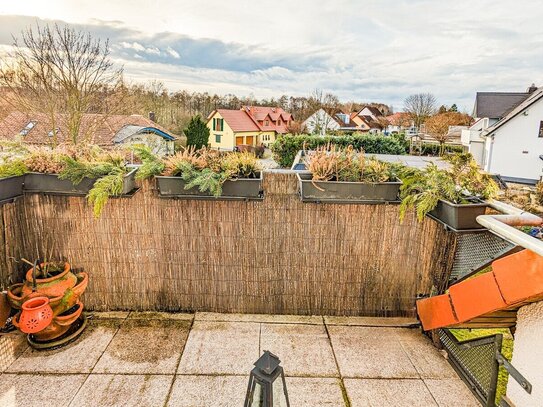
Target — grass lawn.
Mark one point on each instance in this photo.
(507, 351)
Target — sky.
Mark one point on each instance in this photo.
(365, 50)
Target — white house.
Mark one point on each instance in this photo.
(321, 122)
(514, 145)
(506, 138)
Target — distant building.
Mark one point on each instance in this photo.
(321, 122)
(507, 137)
(399, 122)
(251, 125)
(106, 131)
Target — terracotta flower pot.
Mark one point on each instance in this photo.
(59, 325)
(35, 316)
(63, 292)
(16, 295)
(53, 286)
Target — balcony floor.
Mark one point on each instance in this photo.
(159, 359)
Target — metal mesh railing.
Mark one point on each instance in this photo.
(476, 250)
(475, 362)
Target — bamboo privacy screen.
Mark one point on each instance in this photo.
(275, 256)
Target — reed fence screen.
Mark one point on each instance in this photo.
(278, 255)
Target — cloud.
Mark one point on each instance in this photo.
(382, 51)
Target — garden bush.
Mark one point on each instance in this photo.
(286, 147)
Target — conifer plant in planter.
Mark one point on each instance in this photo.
(454, 196)
(73, 170)
(203, 174)
(344, 176)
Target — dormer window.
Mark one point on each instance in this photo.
(29, 126)
(267, 122)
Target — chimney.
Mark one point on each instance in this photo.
(532, 88)
(152, 116)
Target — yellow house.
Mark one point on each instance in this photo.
(251, 125)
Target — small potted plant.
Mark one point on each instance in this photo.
(204, 174)
(344, 176)
(454, 196)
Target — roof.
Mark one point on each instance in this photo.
(376, 112)
(496, 105)
(129, 130)
(373, 124)
(103, 130)
(248, 118)
(399, 119)
(239, 120)
(533, 98)
(515, 280)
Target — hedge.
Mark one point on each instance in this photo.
(286, 147)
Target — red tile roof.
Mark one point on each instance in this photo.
(238, 120)
(253, 118)
(95, 128)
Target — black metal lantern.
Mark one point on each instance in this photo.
(263, 389)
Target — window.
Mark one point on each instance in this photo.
(267, 122)
(218, 124)
(541, 129)
(217, 138)
(29, 126)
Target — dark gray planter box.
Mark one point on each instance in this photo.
(11, 187)
(239, 189)
(347, 192)
(52, 184)
(459, 216)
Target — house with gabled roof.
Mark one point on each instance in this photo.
(250, 125)
(507, 136)
(106, 131)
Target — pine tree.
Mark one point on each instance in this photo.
(453, 108)
(197, 133)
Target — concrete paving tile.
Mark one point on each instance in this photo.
(428, 360)
(451, 393)
(388, 393)
(371, 321)
(220, 348)
(377, 334)
(204, 391)
(123, 390)
(183, 316)
(145, 347)
(359, 354)
(24, 390)
(284, 319)
(304, 350)
(315, 392)
(77, 357)
(12, 345)
(110, 314)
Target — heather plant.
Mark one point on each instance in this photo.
(331, 163)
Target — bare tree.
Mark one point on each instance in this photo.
(438, 126)
(420, 106)
(65, 74)
(329, 104)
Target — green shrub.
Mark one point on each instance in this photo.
(286, 147)
(434, 149)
